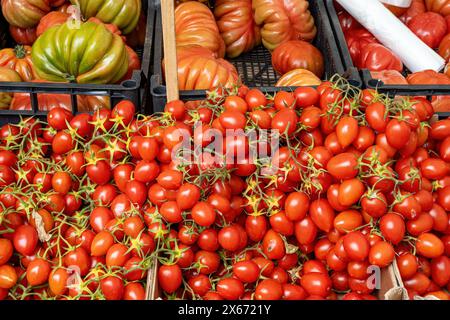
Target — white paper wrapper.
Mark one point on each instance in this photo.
(392, 33)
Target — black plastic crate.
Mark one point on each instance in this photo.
(136, 89)
(371, 83)
(255, 67)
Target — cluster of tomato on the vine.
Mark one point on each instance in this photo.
(71, 215)
(361, 181)
(89, 202)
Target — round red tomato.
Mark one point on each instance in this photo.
(381, 254)
(357, 39)
(356, 246)
(38, 272)
(169, 277)
(203, 214)
(376, 57)
(268, 289)
(429, 245)
(273, 245)
(112, 288)
(343, 166)
(392, 227)
(230, 288)
(285, 121)
(397, 133)
(255, 98)
(430, 27)
(25, 239)
(316, 284)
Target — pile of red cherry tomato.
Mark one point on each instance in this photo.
(361, 181)
(89, 202)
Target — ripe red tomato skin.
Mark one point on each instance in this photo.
(310, 117)
(58, 281)
(305, 231)
(321, 248)
(285, 121)
(246, 271)
(444, 150)
(99, 217)
(176, 108)
(100, 172)
(112, 288)
(265, 265)
(256, 227)
(347, 131)
(25, 239)
(38, 272)
(439, 216)
(381, 254)
(296, 206)
(408, 207)
(430, 27)
(440, 129)
(376, 116)
(187, 196)
(434, 169)
(200, 284)
(314, 266)
(136, 192)
(6, 250)
(316, 284)
(134, 291)
(293, 292)
(306, 96)
(423, 223)
(229, 238)
(203, 214)
(210, 261)
(8, 276)
(78, 258)
(334, 262)
(322, 214)
(356, 246)
(170, 179)
(347, 220)
(230, 288)
(429, 245)
(255, 98)
(339, 280)
(407, 265)
(288, 261)
(440, 270)
(101, 243)
(350, 192)
(397, 133)
(124, 110)
(419, 283)
(57, 118)
(117, 255)
(268, 289)
(392, 227)
(443, 198)
(81, 122)
(343, 166)
(273, 245)
(169, 277)
(281, 224)
(376, 57)
(208, 240)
